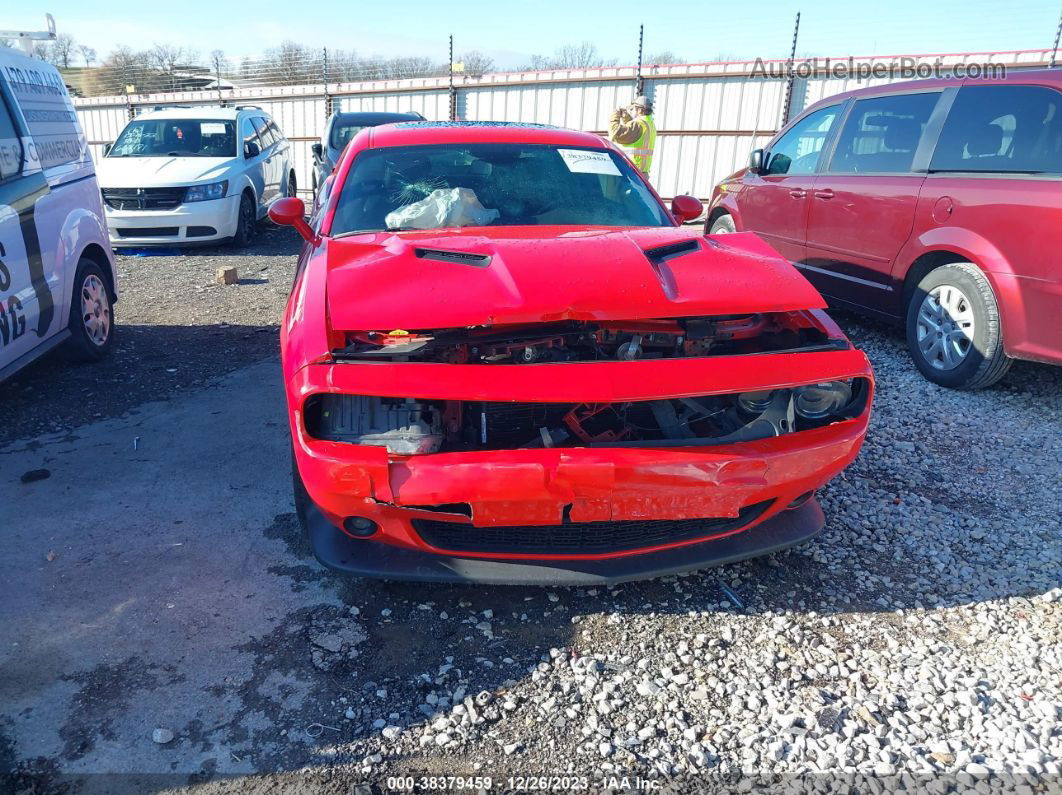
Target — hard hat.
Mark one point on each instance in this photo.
(641, 100)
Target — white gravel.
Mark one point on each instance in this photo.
(916, 640)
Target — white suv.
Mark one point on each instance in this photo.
(57, 277)
(192, 175)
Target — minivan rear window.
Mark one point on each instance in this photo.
(882, 134)
(1002, 130)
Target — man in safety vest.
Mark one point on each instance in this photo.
(633, 128)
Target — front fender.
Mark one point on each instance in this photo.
(81, 228)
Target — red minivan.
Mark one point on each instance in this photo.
(936, 203)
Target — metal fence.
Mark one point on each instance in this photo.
(708, 115)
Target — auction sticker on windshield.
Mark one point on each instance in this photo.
(585, 161)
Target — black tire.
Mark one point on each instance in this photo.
(293, 187)
(976, 360)
(245, 225)
(300, 495)
(722, 225)
(91, 321)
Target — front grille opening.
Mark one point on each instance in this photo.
(579, 538)
(143, 198)
(406, 426)
(201, 231)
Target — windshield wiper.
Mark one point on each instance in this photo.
(357, 232)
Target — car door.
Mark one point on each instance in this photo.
(273, 164)
(255, 167)
(862, 206)
(774, 202)
(28, 308)
(283, 156)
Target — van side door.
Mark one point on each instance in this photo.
(774, 202)
(255, 167)
(862, 205)
(273, 164)
(28, 312)
(995, 181)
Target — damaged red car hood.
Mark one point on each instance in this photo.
(479, 277)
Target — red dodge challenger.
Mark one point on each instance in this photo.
(507, 362)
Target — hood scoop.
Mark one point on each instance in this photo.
(661, 254)
(460, 257)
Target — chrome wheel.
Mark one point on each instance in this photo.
(95, 310)
(945, 327)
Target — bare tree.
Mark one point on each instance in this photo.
(571, 56)
(663, 58)
(168, 59)
(476, 63)
(88, 55)
(43, 51)
(63, 49)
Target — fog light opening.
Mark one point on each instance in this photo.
(807, 495)
(360, 527)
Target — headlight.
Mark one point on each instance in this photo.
(816, 401)
(202, 193)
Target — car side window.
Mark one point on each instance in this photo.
(881, 134)
(263, 132)
(1002, 129)
(10, 144)
(798, 151)
(277, 134)
(248, 134)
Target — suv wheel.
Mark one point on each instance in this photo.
(723, 225)
(91, 316)
(245, 221)
(953, 328)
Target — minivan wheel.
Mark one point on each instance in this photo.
(245, 222)
(723, 225)
(91, 315)
(953, 328)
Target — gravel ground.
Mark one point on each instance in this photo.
(916, 641)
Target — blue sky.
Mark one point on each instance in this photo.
(510, 32)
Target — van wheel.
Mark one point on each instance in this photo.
(953, 329)
(91, 315)
(723, 225)
(245, 222)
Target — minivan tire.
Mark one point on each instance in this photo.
(723, 225)
(245, 222)
(984, 361)
(91, 320)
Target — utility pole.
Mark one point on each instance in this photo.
(453, 91)
(639, 86)
(324, 78)
(1058, 35)
(789, 73)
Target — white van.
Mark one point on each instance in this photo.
(193, 175)
(57, 277)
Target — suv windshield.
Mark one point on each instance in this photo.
(176, 138)
(342, 133)
(438, 186)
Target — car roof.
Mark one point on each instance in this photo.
(374, 117)
(415, 133)
(1036, 77)
(199, 112)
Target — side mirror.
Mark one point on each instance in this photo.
(756, 161)
(290, 211)
(251, 149)
(686, 208)
(318, 152)
(107, 148)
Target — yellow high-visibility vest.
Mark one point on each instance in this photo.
(641, 151)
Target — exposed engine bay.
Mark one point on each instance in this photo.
(580, 341)
(406, 426)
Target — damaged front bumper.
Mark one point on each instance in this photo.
(569, 514)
